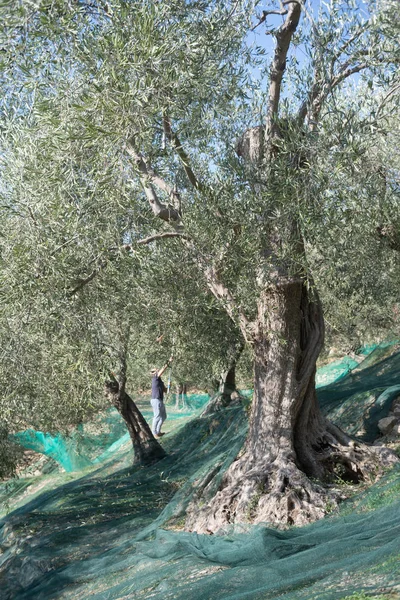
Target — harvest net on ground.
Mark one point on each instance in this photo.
(113, 531)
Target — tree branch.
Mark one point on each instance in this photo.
(390, 93)
(152, 238)
(265, 14)
(309, 102)
(222, 293)
(346, 44)
(82, 282)
(176, 144)
(61, 246)
(320, 89)
(283, 38)
(319, 93)
(346, 72)
(160, 236)
(146, 170)
(148, 177)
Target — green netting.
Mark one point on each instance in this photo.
(187, 401)
(382, 346)
(66, 452)
(334, 371)
(358, 401)
(92, 442)
(115, 532)
(356, 407)
(82, 446)
(110, 535)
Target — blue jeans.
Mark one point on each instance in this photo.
(160, 414)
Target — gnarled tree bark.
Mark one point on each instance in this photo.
(291, 451)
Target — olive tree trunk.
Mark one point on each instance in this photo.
(145, 447)
(227, 391)
(291, 451)
(181, 394)
(227, 383)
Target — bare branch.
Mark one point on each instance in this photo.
(160, 236)
(82, 282)
(222, 293)
(283, 38)
(176, 144)
(265, 14)
(147, 177)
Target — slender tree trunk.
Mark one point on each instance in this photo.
(290, 445)
(226, 386)
(228, 383)
(184, 396)
(146, 448)
(178, 392)
(180, 400)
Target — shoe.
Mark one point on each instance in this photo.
(159, 435)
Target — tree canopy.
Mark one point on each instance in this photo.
(150, 147)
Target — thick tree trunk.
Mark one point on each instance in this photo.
(145, 447)
(291, 451)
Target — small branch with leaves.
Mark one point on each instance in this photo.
(161, 236)
(83, 282)
(319, 92)
(223, 294)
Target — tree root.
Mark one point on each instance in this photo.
(280, 493)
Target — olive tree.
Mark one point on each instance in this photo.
(153, 112)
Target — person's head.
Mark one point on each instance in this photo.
(153, 372)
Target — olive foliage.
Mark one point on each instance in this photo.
(102, 103)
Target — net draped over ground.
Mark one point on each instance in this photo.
(113, 531)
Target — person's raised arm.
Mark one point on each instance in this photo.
(163, 369)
